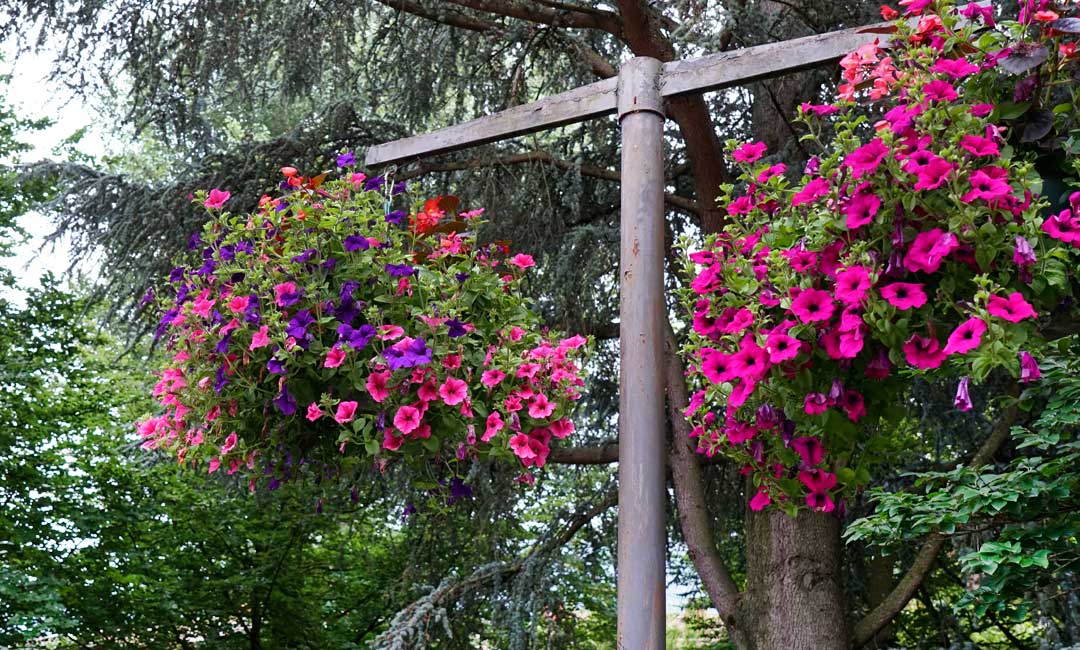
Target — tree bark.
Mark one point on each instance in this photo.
(793, 598)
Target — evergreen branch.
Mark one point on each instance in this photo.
(564, 16)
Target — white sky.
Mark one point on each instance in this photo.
(32, 96)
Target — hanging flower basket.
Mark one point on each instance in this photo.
(326, 328)
(914, 244)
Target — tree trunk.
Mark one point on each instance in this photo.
(794, 599)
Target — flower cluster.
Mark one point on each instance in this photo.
(326, 322)
(916, 246)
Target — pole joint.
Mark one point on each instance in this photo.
(639, 87)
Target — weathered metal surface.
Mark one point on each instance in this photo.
(642, 529)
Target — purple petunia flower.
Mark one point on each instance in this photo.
(304, 256)
(399, 188)
(194, 241)
(299, 323)
(276, 366)
(251, 313)
(223, 345)
(399, 270)
(177, 274)
(397, 217)
(347, 311)
(461, 277)
(285, 401)
(355, 243)
(358, 337)
(227, 253)
(346, 159)
(456, 327)
(374, 183)
(458, 490)
(219, 379)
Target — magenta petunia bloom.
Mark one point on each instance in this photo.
(989, 184)
(865, 159)
(771, 171)
(940, 91)
(377, 385)
(929, 250)
(861, 208)
(1023, 253)
(491, 378)
(923, 353)
(751, 362)
(230, 444)
(904, 295)
(962, 400)
(933, 174)
(781, 347)
(821, 110)
(1063, 227)
(813, 305)
(879, 367)
(406, 420)
(813, 191)
(1013, 309)
(967, 337)
(1029, 369)
(540, 407)
(260, 339)
(346, 411)
(492, 426)
(809, 449)
(760, 500)
(818, 483)
(717, 366)
(734, 320)
(852, 284)
(216, 199)
(749, 152)
(314, 412)
(853, 404)
(955, 68)
(453, 391)
(977, 145)
(982, 110)
(334, 358)
(522, 261)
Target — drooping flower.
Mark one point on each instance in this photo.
(1013, 309)
(966, 337)
(749, 152)
(904, 295)
(1029, 368)
(1023, 253)
(813, 305)
(377, 385)
(962, 400)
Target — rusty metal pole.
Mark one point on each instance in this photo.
(642, 532)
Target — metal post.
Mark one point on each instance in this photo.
(642, 546)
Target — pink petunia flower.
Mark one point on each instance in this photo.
(540, 407)
(813, 305)
(955, 68)
(453, 391)
(977, 145)
(933, 174)
(818, 483)
(867, 158)
(493, 426)
(491, 378)
(852, 284)
(1063, 227)
(230, 444)
(717, 366)
(988, 184)
(377, 385)
(904, 295)
(929, 250)
(760, 500)
(853, 404)
(260, 338)
(813, 191)
(810, 450)
(334, 357)
(962, 400)
(781, 347)
(966, 337)
(346, 411)
(923, 353)
(861, 208)
(407, 419)
(749, 152)
(314, 412)
(815, 403)
(1013, 309)
(216, 199)
(522, 261)
(940, 91)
